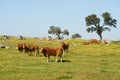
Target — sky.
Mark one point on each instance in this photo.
(34, 17)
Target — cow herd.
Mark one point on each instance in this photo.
(47, 51)
(58, 51)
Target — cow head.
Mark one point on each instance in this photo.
(43, 50)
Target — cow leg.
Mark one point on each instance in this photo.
(26, 53)
(38, 52)
(56, 59)
(35, 53)
(61, 58)
(48, 59)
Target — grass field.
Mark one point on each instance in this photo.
(82, 62)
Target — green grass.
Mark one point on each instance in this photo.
(82, 62)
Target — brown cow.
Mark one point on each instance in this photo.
(20, 46)
(32, 48)
(94, 41)
(85, 43)
(56, 51)
(65, 46)
(23, 47)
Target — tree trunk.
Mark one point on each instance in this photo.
(100, 35)
(58, 36)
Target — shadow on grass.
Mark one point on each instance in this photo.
(64, 61)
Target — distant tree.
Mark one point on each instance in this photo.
(49, 38)
(76, 35)
(93, 23)
(65, 32)
(57, 31)
(20, 38)
(6, 37)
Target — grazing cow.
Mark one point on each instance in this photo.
(20, 46)
(56, 51)
(32, 48)
(65, 46)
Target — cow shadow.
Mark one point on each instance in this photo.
(64, 61)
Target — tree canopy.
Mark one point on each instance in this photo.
(76, 35)
(57, 31)
(93, 23)
(65, 32)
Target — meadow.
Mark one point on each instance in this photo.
(82, 62)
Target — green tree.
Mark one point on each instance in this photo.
(55, 31)
(65, 32)
(93, 23)
(76, 35)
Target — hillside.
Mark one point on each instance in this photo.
(82, 62)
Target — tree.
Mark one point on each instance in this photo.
(93, 23)
(65, 32)
(57, 31)
(76, 35)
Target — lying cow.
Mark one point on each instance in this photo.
(65, 46)
(94, 41)
(56, 51)
(85, 43)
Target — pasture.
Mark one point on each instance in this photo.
(82, 62)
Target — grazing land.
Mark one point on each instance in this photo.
(82, 62)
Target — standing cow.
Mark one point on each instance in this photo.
(56, 51)
(65, 46)
(20, 46)
(23, 47)
(32, 48)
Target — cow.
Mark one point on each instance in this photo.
(52, 51)
(32, 48)
(105, 42)
(20, 46)
(85, 43)
(23, 47)
(95, 41)
(65, 46)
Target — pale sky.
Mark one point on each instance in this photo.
(34, 17)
